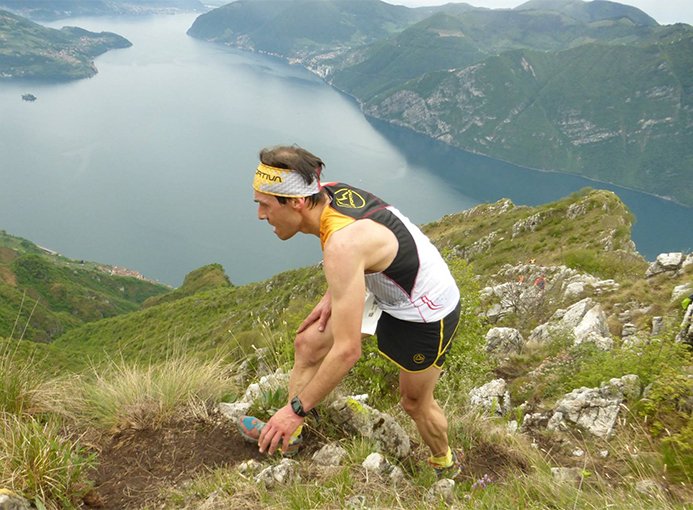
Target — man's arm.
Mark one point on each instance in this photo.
(344, 269)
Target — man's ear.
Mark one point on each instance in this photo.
(298, 203)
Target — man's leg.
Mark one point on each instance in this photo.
(417, 400)
(310, 348)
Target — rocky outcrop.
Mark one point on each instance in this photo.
(283, 473)
(585, 321)
(595, 409)
(504, 341)
(492, 398)
(11, 501)
(670, 263)
(357, 417)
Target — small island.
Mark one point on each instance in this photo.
(28, 97)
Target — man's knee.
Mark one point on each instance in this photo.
(310, 347)
(413, 406)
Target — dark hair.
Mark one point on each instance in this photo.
(293, 157)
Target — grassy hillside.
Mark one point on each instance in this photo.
(42, 295)
(595, 10)
(148, 383)
(28, 50)
(299, 27)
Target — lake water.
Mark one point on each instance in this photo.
(149, 165)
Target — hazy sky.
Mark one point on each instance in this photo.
(664, 11)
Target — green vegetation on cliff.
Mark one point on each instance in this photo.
(42, 295)
(28, 50)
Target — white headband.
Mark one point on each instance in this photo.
(282, 182)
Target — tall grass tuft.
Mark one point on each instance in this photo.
(18, 381)
(36, 460)
(147, 396)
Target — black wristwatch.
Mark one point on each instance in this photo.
(297, 407)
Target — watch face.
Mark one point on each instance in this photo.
(297, 406)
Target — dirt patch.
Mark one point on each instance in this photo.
(7, 277)
(492, 460)
(136, 465)
(7, 255)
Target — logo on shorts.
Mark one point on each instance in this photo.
(419, 358)
(349, 199)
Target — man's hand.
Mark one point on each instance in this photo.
(282, 425)
(321, 313)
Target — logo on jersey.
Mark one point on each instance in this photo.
(419, 358)
(349, 199)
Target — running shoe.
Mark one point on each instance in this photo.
(251, 428)
(452, 470)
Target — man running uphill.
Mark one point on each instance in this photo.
(367, 244)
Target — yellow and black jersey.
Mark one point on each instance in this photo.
(417, 286)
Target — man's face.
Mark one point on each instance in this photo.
(283, 217)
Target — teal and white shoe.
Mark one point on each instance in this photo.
(251, 428)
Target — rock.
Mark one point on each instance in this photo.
(603, 454)
(11, 501)
(512, 427)
(557, 423)
(681, 291)
(665, 263)
(567, 475)
(504, 341)
(380, 427)
(688, 262)
(267, 383)
(249, 467)
(376, 463)
(234, 411)
(594, 328)
(657, 323)
(441, 490)
(573, 290)
(215, 501)
(649, 487)
(284, 472)
(533, 421)
(584, 321)
(605, 286)
(596, 409)
(628, 329)
(355, 502)
(578, 452)
(329, 455)
(493, 398)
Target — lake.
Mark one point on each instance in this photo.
(149, 164)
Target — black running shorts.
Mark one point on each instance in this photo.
(416, 346)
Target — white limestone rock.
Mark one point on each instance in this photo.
(235, 410)
(283, 473)
(596, 409)
(665, 263)
(567, 475)
(360, 418)
(504, 341)
(492, 397)
(681, 291)
(329, 455)
(441, 490)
